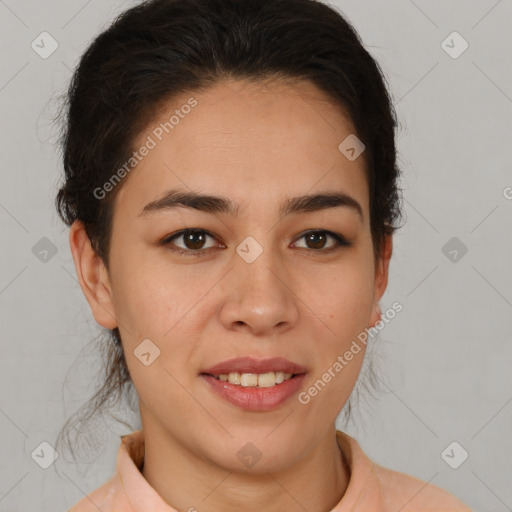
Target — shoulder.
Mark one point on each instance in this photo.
(374, 487)
(407, 493)
(112, 495)
(105, 498)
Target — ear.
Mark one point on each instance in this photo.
(381, 277)
(92, 276)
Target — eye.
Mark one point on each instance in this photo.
(316, 240)
(194, 241)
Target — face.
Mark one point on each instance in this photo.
(257, 281)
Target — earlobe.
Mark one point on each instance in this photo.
(92, 276)
(376, 315)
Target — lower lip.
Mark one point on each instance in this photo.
(253, 398)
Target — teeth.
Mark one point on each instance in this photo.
(262, 380)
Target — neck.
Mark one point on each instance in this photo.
(187, 480)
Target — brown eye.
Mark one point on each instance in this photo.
(193, 241)
(316, 241)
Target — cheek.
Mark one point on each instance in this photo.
(344, 309)
(163, 305)
(153, 305)
(350, 302)
(343, 297)
(149, 298)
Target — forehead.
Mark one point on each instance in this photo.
(262, 141)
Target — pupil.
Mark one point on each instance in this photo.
(320, 236)
(190, 239)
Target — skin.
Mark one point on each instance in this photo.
(268, 141)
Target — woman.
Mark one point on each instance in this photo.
(231, 187)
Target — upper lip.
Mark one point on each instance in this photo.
(251, 365)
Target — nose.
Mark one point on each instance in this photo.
(260, 299)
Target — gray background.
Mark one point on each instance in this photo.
(446, 357)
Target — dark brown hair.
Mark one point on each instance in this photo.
(161, 48)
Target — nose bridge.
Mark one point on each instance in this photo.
(258, 263)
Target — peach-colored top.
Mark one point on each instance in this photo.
(371, 488)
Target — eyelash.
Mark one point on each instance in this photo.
(341, 241)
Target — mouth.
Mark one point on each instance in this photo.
(260, 380)
(250, 397)
(255, 384)
(250, 366)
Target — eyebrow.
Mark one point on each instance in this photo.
(219, 204)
